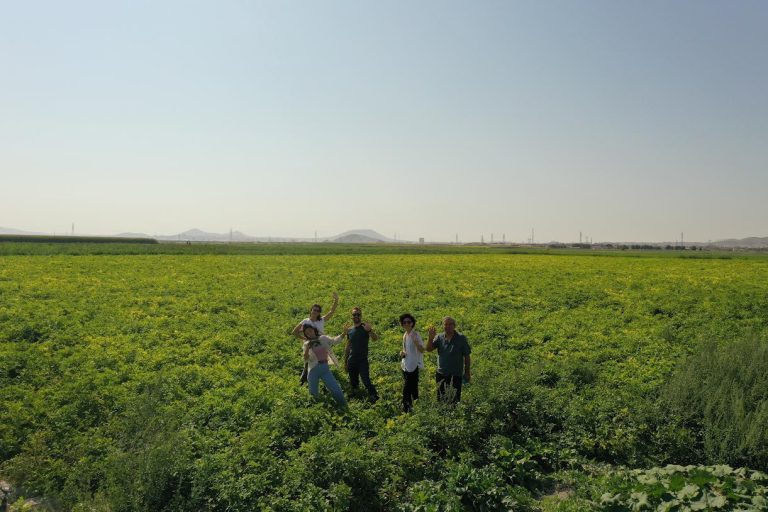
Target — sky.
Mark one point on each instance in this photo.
(622, 120)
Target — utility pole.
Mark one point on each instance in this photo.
(579, 236)
(457, 238)
(504, 238)
(491, 237)
(315, 236)
(73, 229)
(482, 239)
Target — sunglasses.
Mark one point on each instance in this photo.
(357, 314)
(407, 321)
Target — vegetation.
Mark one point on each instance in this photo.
(170, 382)
(687, 488)
(720, 397)
(119, 246)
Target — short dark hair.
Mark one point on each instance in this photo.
(318, 306)
(310, 326)
(407, 315)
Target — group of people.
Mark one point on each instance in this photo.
(453, 361)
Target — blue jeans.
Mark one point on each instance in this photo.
(322, 371)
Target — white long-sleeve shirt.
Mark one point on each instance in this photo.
(413, 357)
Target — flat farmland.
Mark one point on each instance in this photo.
(170, 381)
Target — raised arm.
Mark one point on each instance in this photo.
(430, 341)
(338, 339)
(368, 327)
(297, 331)
(306, 350)
(332, 311)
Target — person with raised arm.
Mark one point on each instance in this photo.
(317, 347)
(356, 353)
(318, 322)
(412, 359)
(453, 360)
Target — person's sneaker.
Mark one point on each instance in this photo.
(302, 380)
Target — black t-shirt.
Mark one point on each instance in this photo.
(358, 343)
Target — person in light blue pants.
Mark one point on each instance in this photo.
(316, 350)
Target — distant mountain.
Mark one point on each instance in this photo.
(360, 236)
(197, 235)
(11, 231)
(354, 238)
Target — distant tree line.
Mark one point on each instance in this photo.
(48, 239)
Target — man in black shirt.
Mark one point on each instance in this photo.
(356, 353)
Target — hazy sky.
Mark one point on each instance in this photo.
(626, 120)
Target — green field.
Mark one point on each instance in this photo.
(170, 381)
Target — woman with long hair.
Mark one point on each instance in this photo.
(316, 320)
(316, 350)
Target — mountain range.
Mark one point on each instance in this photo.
(358, 236)
(197, 235)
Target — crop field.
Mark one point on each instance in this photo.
(146, 382)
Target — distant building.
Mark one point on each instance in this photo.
(421, 240)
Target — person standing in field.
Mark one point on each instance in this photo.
(412, 361)
(318, 322)
(316, 350)
(453, 361)
(356, 353)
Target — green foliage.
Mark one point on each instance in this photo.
(719, 399)
(682, 488)
(467, 488)
(169, 381)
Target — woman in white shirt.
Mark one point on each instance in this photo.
(316, 351)
(318, 322)
(412, 355)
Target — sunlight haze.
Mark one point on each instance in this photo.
(626, 121)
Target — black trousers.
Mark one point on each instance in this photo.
(358, 370)
(448, 387)
(410, 389)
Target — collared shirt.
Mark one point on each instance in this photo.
(320, 349)
(450, 354)
(413, 358)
